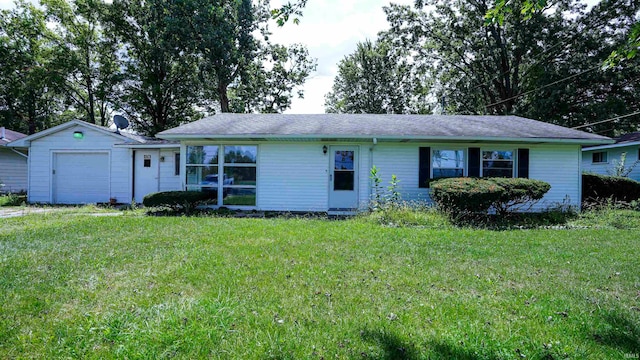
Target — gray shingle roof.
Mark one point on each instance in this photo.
(9, 136)
(382, 126)
(630, 137)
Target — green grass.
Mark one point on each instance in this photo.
(179, 287)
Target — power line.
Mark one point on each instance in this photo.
(542, 87)
(604, 121)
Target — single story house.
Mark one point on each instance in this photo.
(601, 159)
(78, 162)
(13, 163)
(322, 162)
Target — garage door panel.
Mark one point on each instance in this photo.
(81, 178)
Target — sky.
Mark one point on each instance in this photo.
(330, 29)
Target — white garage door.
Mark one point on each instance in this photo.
(80, 178)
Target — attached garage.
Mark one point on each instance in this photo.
(80, 177)
(81, 163)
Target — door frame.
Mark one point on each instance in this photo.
(136, 156)
(356, 176)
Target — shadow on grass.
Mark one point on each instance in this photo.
(620, 333)
(395, 348)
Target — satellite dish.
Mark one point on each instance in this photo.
(121, 122)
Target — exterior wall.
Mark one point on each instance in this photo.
(613, 155)
(293, 176)
(41, 157)
(13, 171)
(169, 181)
(559, 165)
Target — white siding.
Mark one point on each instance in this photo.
(292, 177)
(613, 155)
(41, 157)
(559, 165)
(401, 160)
(169, 181)
(13, 171)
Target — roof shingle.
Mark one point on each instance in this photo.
(383, 126)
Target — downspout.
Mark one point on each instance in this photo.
(375, 142)
(133, 175)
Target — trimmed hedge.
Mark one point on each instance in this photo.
(474, 195)
(596, 188)
(178, 200)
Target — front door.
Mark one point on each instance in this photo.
(343, 178)
(146, 173)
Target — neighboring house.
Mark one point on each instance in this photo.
(322, 162)
(77, 162)
(13, 163)
(601, 159)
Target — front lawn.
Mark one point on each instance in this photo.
(170, 287)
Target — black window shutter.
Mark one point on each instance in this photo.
(474, 162)
(424, 171)
(523, 163)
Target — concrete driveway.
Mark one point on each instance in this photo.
(7, 212)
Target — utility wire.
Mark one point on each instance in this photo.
(542, 87)
(604, 121)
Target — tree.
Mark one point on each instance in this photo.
(626, 51)
(269, 83)
(87, 60)
(29, 88)
(377, 79)
(592, 92)
(160, 87)
(239, 67)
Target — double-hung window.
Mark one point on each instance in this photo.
(497, 163)
(447, 163)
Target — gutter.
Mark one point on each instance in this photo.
(612, 146)
(386, 137)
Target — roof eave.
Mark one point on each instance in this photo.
(612, 146)
(26, 141)
(147, 146)
(386, 137)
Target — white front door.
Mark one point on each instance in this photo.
(343, 178)
(146, 173)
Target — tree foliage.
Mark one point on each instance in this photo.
(538, 61)
(269, 83)
(160, 62)
(86, 59)
(377, 79)
(29, 85)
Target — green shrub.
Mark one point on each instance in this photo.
(602, 188)
(463, 196)
(179, 201)
(13, 200)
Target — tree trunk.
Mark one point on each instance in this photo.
(224, 98)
